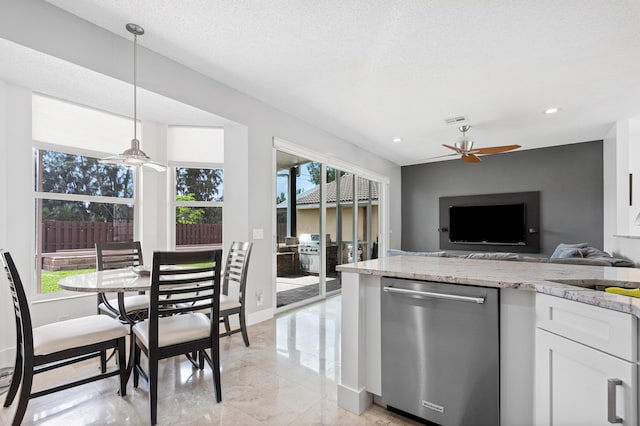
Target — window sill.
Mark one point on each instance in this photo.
(58, 296)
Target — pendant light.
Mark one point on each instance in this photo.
(134, 156)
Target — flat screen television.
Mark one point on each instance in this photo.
(504, 224)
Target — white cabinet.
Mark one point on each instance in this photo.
(579, 379)
(572, 384)
(627, 175)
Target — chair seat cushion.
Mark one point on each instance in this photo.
(227, 303)
(133, 303)
(76, 332)
(175, 329)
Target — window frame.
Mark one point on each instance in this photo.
(173, 203)
(36, 289)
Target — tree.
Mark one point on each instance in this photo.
(314, 173)
(203, 184)
(189, 215)
(64, 173)
(199, 185)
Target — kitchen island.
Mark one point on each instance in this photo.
(519, 282)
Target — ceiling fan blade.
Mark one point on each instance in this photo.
(494, 149)
(470, 158)
(453, 148)
(440, 156)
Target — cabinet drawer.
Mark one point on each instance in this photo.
(610, 331)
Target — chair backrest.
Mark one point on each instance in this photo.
(183, 282)
(24, 332)
(235, 270)
(118, 255)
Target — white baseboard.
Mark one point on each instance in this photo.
(256, 317)
(353, 400)
(7, 357)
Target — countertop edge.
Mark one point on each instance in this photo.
(599, 298)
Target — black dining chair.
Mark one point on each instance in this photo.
(116, 255)
(56, 345)
(182, 283)
(235, 274)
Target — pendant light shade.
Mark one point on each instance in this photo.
(134, 156)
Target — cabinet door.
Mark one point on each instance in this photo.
(572, 384)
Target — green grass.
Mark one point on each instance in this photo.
(49, 280)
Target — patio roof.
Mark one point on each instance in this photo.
(312, 196)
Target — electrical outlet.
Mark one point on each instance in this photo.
(258, 234)
(258, 298)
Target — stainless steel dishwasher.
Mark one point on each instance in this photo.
(441, 351)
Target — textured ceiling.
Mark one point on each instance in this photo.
(372, 70)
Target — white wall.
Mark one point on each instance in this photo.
(7, 334)
(248, 168)
(17, 213)
(154, 199)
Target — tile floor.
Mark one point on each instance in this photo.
(288, 376)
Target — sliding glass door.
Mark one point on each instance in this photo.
(298, 257)
(324, 217)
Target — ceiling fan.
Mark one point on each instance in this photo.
(464, 148)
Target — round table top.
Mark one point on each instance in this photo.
(113, 280)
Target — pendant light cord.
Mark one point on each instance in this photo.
(135, 99)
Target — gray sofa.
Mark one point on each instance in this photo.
(576, 254)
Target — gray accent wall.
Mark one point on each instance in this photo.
(569, 178)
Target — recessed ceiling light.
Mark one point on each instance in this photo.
(397, 140)
(551, 110)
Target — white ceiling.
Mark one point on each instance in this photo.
(372, 70)
(42, 73)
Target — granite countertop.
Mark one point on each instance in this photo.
(573, 282)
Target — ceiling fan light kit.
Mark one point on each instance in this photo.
(464, 148)
(134, 156)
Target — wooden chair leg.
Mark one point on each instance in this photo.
(243, 329)
(103, 361)
(15, 379)
(153, 389)
(227, 325)
(136, 364)
(25, 393)
(215, 360)
(122, 366)
(201, 359)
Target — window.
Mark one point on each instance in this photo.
(198, 207)
(78, 203)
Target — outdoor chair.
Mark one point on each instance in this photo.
(182, 283)
(57, 345)
(235, 273)
(121, 255)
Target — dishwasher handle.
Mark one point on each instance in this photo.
(455, 297)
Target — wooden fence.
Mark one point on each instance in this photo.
(202, 233)
(64, 235)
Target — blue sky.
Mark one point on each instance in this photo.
(303, 181)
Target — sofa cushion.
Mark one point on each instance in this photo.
(580, 261)
(535, 259)
(395, 252)
(492, 256)
(564, 250)
(593, 252)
